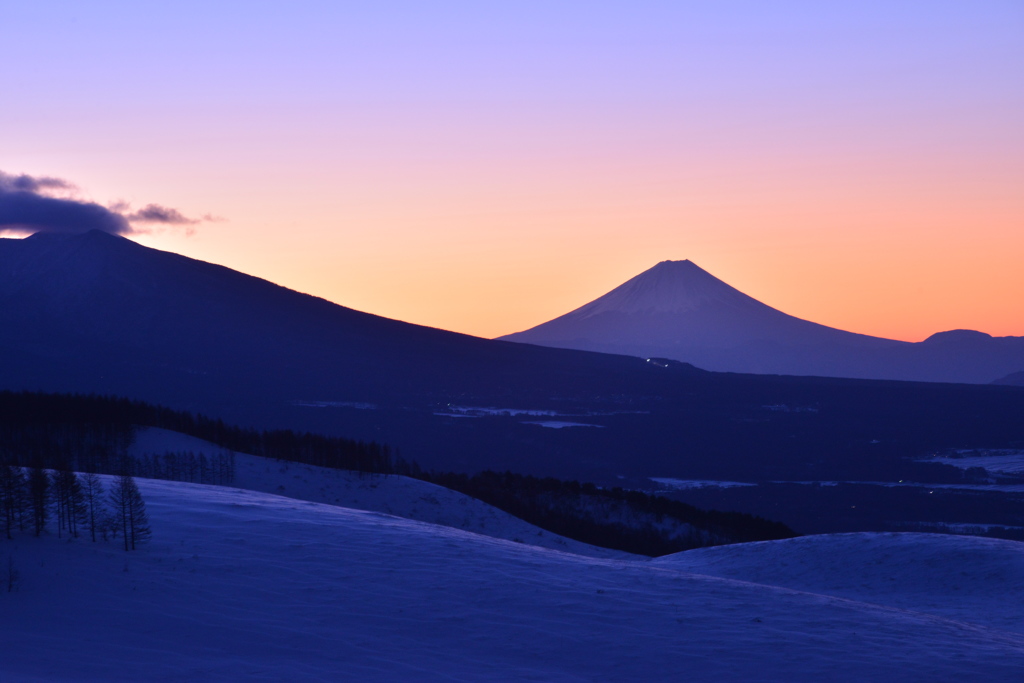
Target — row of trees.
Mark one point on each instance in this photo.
(30, 497)
(216, 469)
(94, 433)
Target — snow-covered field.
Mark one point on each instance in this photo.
(242, 585)
(482, 411)
(968, 579)
(561, 424)
(997, 462)
(684, 484)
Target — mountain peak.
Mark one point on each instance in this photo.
(87, 236)
(668, 287)
(958, 337)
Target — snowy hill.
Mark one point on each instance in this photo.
(249, 586)
(391, 494)
(976, 580)
(678, 310)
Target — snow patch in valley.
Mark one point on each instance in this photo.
(335, 404)
(997, 461)
(684, 484)
(478, 411)
(560, 424)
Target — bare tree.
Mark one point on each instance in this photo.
(38, 490)
(12, 496)
(92, 495)
(13, 575)
(68, 500)
(129, 511)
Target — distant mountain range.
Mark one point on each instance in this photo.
(1015, 379)
(678, 310)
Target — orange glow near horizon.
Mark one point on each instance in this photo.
(871, 235)
(860, 165)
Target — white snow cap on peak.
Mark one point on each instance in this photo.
(668, 287)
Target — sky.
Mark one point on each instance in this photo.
(485, 167)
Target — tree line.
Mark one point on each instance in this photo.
(218, 469)
(31, 498)
(94, 433)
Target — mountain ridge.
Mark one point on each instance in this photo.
(670, 287)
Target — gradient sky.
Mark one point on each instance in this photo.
(484, 167)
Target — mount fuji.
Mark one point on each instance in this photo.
(678, 310)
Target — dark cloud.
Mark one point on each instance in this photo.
(26, 207)
(154, 213)
(24, 211)
(27, 183)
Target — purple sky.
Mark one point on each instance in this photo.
(487, 166)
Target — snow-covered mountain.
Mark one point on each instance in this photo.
(239, 585)
(678, 310)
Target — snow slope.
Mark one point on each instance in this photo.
(239, 585)
(393, 494)
(966, 578)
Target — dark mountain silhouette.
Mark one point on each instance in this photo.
(100, 313)
(677, 310)
(1015, 379)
